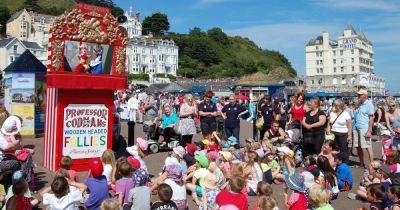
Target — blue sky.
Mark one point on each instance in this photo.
(287, 25)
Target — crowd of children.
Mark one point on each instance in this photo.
(216, 173)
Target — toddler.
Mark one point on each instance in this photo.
(375, 195)
(233, 196)
(18, 200)
(297, 199)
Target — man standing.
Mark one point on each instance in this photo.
(364, 120)
(133, 106)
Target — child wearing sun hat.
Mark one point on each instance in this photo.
(211, 191)
(297, 200)
(140, 194)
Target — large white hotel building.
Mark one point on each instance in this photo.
(146, 54)
(342, 65)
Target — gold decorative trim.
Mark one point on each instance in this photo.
(57, 54)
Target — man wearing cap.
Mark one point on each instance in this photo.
(364, 120)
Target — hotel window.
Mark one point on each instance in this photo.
(334, 53)
(15, 48)
(317, 62)
(317, 54)
(317, 70)
(321, 70)
(334, 69)
(352, 51)
(352, 68)
(341, 52)
(352, 60)
(334, 61)
(11, 59)
(342, 69)
(317, 47)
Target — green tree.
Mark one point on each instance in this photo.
(196, 31)
(156, 24)
(31, 5)
(4, 16)
(218, 35)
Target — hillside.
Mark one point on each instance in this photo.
(15, 5)
(214, 54)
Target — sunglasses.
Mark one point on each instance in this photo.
(391, 106)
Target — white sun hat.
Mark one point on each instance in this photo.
(11, 126)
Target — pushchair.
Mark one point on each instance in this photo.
(153, 133)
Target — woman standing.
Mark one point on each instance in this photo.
(188, 111)
(392, 116)
(340, 125)
(313, 129)
(298, 109)
(208, 113)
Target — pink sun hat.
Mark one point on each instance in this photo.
(142, 143)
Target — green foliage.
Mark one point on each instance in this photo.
(214, 54)
(218, 35)
(138, 77)
(31, 5)
(169, 76)
(4, 16)
(156, 24)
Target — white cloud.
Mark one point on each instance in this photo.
(359, 4)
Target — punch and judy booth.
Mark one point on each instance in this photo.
(24, 92)
(87, 64)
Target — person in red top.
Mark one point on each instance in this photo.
(82, 67)
(297, 199)
(233, 196)
(298, 109)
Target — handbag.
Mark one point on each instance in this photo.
(260, 123)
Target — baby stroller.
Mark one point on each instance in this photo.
(153, 133)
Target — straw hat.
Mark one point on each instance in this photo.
(210, 181)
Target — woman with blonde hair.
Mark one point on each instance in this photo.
(319, 198)
(392, 116)
(187, 113)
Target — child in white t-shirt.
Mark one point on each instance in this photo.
(63, 198)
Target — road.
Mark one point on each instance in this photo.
(154, 165)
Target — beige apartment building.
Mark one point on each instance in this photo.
(30, 26)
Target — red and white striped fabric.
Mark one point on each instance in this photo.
(50, 134)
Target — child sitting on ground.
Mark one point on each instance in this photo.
(233, 196)
(62, 197)
(66, 163)
(270, 161)
(211, 190)
(165, 195)
(18, 200)
(297, 200)
(266, 202)
(263, 190)
(375, 195)
(140, 195)
(109, 165)
(97, 186)
(394, 196)
(319, 198)
(343, 171)
(124, 184)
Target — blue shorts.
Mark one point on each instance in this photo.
(199, 191)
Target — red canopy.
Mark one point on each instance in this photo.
(242, 97)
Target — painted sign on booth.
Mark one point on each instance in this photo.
(85, 130)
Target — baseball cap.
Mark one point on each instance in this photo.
(96, 168)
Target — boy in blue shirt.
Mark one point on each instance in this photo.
(345, 179)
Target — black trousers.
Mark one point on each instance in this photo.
(341, 141)
(312, 143)
(232, 132)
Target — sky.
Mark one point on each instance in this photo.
(287, 25)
